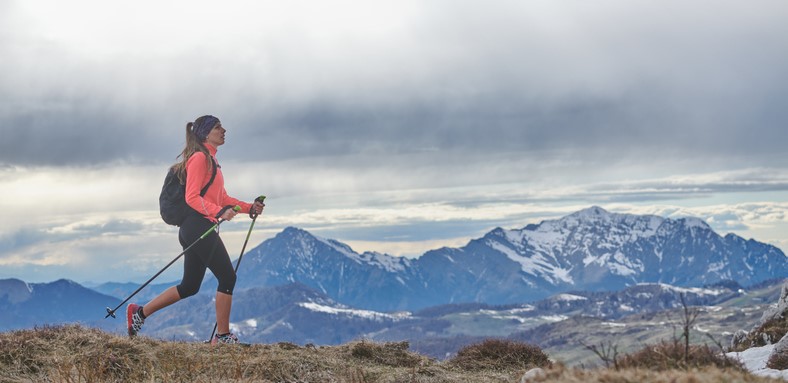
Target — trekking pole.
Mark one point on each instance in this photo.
(253, 216)
(112, 311)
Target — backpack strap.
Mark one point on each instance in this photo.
(213, 176)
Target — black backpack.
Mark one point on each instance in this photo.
(172, 200)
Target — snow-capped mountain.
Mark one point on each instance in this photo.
(597, 250)
(589, 250)
(368, 280)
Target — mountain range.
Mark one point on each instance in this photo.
(302, 288)
(63, 301)
(561, 323)
(295, 313)
(590, 250)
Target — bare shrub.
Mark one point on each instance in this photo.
(673, 355)
(393, 354)
(499, 354)
(607, 352)
(778, 360)
(767, 333)
(688, 320)
(288, 346)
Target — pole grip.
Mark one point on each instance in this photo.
(235, 208)
(261, 199)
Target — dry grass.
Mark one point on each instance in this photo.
(388, 354)
(502, 355)
(668, 355)
(78, 354)
(778, 360)
(706, 375)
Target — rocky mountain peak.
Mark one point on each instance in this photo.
(592, 249)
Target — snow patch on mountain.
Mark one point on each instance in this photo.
(755, 360)
(617, 263)
(621, 228)
(339, 247)
(553, 318)
(569, 298)
(383, 261)
(535, 265)
(694, 223)
(386, 262)
(15, 290)
(687, 290)
(366, 314)
(546, 236)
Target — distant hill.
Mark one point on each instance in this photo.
(123, 290)
(295, 313)
(24, 305)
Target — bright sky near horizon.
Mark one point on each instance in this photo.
(393, 126)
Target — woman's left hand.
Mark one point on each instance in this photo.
(257, 207)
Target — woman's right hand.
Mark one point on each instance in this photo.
(257, 207)
(228, 214)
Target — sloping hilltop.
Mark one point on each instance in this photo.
(78, 354)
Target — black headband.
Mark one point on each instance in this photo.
(205, 126)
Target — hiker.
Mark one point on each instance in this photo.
(197, 167)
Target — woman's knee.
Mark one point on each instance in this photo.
(227, 284)
(187, 291)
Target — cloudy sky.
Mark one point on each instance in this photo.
(394, 126)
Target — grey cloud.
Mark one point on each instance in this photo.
(614, 82)
(673, 189)
(725, 223)
(75, 137)
(666, 193)
(20, 238)
(26, 237)
(415, 231)
(111, 227)
(607, 128)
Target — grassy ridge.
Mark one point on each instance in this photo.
(78, 354)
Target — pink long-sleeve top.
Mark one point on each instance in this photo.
(198, 172)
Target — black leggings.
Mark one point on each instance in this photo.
(209, 253)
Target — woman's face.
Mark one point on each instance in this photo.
(216, 136)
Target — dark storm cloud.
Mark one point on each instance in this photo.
(618, 80)
(610, 82)
(638, 125)
(81, 136)
(642, 123)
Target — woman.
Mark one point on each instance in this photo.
(203, 137)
